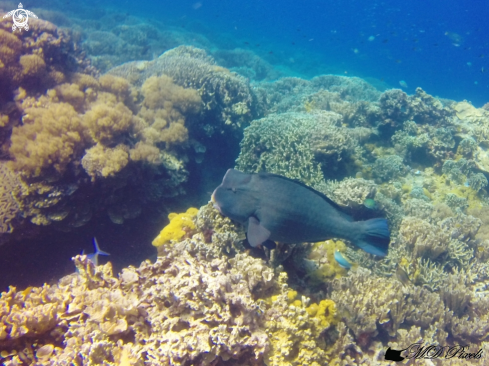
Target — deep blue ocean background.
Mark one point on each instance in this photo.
(441, 46)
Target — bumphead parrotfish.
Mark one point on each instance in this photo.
(276, 208)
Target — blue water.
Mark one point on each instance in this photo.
(441, 46)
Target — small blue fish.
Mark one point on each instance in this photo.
(467, 183)
(93, 257)
(343, 263)
(370, 203)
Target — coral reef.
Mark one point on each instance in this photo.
(353, 192)
(325, 266)
(208, 301)
(182, 309)
(163, 109)
(180, 225)
(131, 139)
(38, 58)
(296, 145)
(227, 98)
(281, 144)
(69, 125)
(51, 137)
(385, 306)
(8, 206)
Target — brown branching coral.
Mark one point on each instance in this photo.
(101, 161)
(38, 58)
(164, 108)
(107, 122)
(51, 137)
(424, 239)
(386, 305)
(93, 124)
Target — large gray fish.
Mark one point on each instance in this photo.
(275, 208)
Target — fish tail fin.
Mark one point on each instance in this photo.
(98, 251)
(374, 237)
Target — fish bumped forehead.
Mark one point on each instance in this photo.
(234, 178)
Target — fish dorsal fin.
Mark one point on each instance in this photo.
(257, 234)
(341, 210)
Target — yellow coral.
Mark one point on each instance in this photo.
(324, 312)
(323, 253)
(180, 224)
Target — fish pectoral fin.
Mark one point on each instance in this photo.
(257, 234)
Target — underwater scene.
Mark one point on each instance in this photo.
(215, 182)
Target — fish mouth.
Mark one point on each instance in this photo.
(213, 200)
